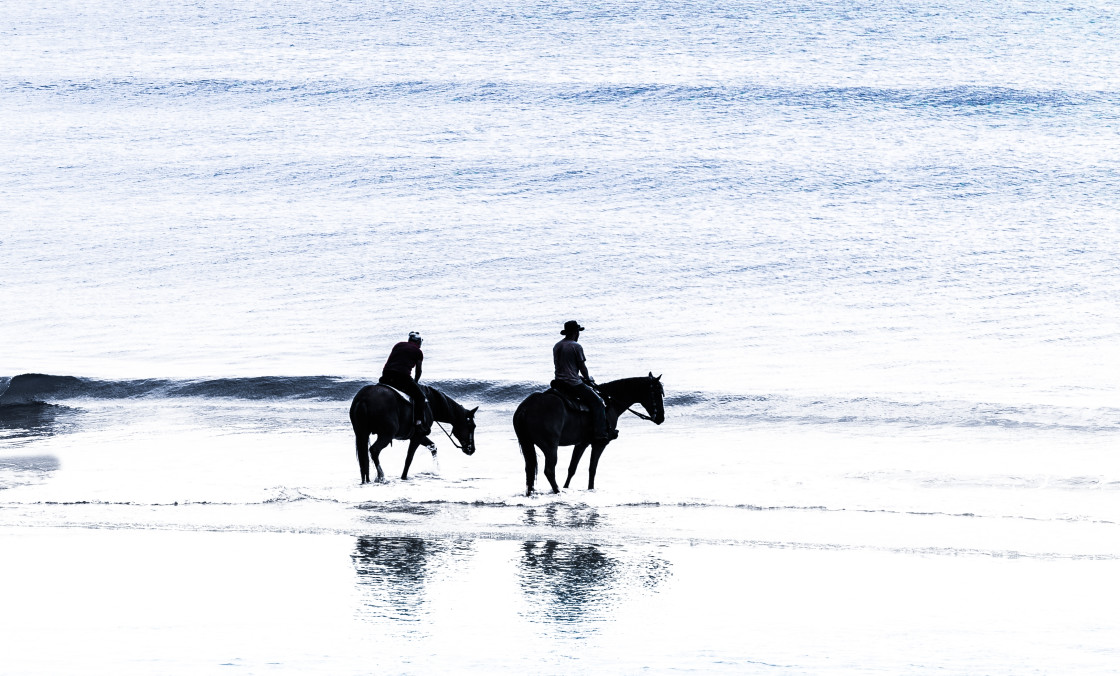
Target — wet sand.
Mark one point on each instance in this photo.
(92, 601)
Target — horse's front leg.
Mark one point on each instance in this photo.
(383, 440)
(429, 444)
(596, 451)
(577, 453)
(413, 444)
(550, 466)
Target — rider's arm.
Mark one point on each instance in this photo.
(419, 366)
(583, 370)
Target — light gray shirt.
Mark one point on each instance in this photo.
(567, 355)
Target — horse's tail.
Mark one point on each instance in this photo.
(524, 440)
(359, 420)
(359, 411)
(361, 442)
(520, 414)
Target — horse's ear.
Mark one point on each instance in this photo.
(651, 374)
(472, 411)
(658, 377)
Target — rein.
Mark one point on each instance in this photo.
(643, 416)
(457, 446)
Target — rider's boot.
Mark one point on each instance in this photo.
(603, 431)
(606, 435)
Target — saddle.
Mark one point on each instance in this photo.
(400, 395)
(404, 413)
(573, 405)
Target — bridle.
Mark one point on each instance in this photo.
(656, 405)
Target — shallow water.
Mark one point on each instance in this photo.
(179, 535)
(137, 601)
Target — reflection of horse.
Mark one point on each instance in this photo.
(395, 569)
(544, 420)
(576, 580)
(378, 409)
(562, 516)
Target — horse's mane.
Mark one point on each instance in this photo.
(624, 388)
(441, 404)
(615, 387)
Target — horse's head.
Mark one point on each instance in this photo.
(464, 431)
(654, 400)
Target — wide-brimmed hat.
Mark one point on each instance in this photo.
(571, 327)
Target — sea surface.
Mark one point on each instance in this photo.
(870, 248)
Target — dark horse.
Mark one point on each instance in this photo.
(544, 420)
(379, 410)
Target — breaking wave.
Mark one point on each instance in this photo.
(37, 390)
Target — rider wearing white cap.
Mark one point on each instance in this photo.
(398, 373)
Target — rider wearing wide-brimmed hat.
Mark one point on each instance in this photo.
(573, 379)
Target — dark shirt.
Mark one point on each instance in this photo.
(403, 358)
(567, 355)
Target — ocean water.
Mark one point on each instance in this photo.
(870, 248)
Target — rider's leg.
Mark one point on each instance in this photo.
(425, 416)
(421, 415)
(598, 411)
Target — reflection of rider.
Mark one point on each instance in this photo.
(398, 373)
(568, 357)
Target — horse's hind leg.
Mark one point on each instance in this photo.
(550, 466)
(382, 441)
(529, 451)
(577, 453)
(361, 445)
